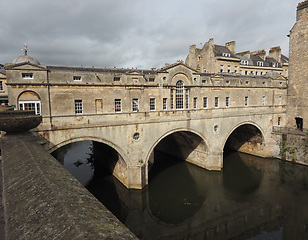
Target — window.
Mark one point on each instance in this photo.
(78, 106)
(30, 105)
(195, 102)
(244, 62)
(241, 72)
(187, 98)
(152, 104)
(164, 103)
(216, 102)
(226, 55)
(179, 95)
(260, 63)
(203, 81)
(1, 86)
(235, 69)
(279, 100)
(246, 101)
(227, 102)
(286, 73)
(135, 104)
(229, 69)
(171, 99)
(27, 75)
(299, 123)
(117, 105)
(279, 121)
(151, 79)
(263, 100)
(204, 69)
(247, 82)
(205, 102)
(116, 79)
(77, 78)
(246, 72)
(221, 68)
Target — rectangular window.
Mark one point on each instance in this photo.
(216, 102)
(152, 104)
(279, 121)
(246, 101)
(229, 69)
(116, 79)
(263, 100)
(135, 104)
(117, 105)
(195, 102)
(203, 81)
(286, 73)
(171, 99)
(77, 78)
(227, 101)
(78, 106)
(221, 68)
(187, 98)
(205, 102)
(260, 64)
(30, 105)
(279, 100)
(1, 86)
(27, 75)
(151, 79)
(164, 103)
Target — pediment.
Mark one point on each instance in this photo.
(217, 76)
(25, 66)
(279, 78)
(178, 67)
(134, 72)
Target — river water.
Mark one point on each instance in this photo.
(251, 198)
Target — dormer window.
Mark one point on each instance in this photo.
(27, 75)
(77, 78)
(244, 62)
(260, 63)
(226, 55)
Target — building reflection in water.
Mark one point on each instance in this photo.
(252, 198)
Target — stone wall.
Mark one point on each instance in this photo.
(43, 201)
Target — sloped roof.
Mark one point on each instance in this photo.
(284, 59)
(219, 50)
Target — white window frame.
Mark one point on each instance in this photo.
(27, 75)
(205, 102)
(135, 105)
(164, 103)
(279, 100)
(117, 105)
(179, 95)
(260, 63)
(263, 100)
(152, 104)
(78, 106)
(77, 78)
(221, 68)
(24, 105)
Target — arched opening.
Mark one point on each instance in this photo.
(246, 138)
(174, 194)
(29, 101)
(96, 166)
(179, 95)
(299, 123)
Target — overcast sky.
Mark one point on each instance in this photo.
(138, 33)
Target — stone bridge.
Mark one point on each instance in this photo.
(198, 137)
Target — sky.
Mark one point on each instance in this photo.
(138, 33)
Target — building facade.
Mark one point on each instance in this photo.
(3, 86)
(214, 58)
(297, 111)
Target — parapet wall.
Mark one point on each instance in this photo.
(42, 200)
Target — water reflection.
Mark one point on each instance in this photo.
(252, 198)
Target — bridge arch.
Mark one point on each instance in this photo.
(119, 166)
(196, 148)
(247, 137)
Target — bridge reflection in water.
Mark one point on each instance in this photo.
(252, 198)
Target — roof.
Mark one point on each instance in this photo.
(284, 59)
(95, 69)
(255, 59)
(219, 50)
(25, 58)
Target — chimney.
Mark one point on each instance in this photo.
(231, 47)
(260, 53)
(300, 12)
(275, 52)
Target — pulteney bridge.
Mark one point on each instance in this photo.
(177, 110)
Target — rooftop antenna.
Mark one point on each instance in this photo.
(25, 49)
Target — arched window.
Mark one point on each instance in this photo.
(30, 101)
(179, 95)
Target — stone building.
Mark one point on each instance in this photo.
(3, 86)
(297, 110)
(214, 58)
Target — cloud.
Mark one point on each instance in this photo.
(139, 33)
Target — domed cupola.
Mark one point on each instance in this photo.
(25, 58)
